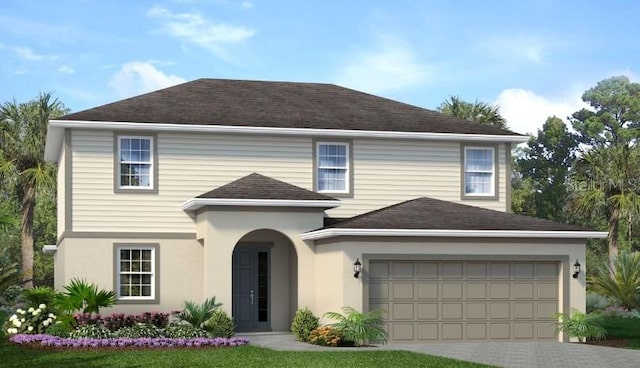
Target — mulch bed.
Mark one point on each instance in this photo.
(614, 343)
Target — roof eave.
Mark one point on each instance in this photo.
(197, 203)
(53, 143)
(196, 128)
(334, 232)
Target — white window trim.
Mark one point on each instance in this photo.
(493, 171)
(153, 272)
(151, 163)
(347, 173)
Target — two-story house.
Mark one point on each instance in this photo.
(275, 196)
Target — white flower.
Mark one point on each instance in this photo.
(12, 331)
(51, 315)
(17, 323)
(13, 317)
(46, 323)
(37, 312)
(30, 328)
(30, 310)
(21, 311)
(42, 306)
(23, 320)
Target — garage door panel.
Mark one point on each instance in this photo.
(460, 300)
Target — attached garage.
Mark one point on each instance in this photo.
(429, 301)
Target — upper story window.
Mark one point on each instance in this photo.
(479, 172)
(136, 272)
(135, 162)
(332, 166)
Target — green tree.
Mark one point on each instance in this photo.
(606, 176)
(478, 112)
(22, 137)
(544, 166)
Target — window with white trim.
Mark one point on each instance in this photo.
(479, 171)
(135, 162)
(332, 165)
(136, 272)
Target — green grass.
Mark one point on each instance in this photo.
(618, 327)
(246, 356)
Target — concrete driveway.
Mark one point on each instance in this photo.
(507, 354)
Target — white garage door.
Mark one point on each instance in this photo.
(465, 300)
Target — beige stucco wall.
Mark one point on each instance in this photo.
(180, 264)
(191, 164)
(225, 227)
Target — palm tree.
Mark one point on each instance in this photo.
(23, 128)
(478, 112)
(605, 182)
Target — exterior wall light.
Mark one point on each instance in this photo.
(357, 268)
(576, 269)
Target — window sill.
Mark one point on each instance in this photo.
(480, 197)
(136, 190)
(138, 301)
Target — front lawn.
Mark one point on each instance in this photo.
(246, 356)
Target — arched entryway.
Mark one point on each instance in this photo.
(264, 281)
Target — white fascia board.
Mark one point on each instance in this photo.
(329, 233)
(49, 249)
(338, 133)
(197, 203)
(53, 144)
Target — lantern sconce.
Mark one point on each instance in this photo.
(576, 269)
(357, 268)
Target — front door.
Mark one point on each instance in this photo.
(251, 304)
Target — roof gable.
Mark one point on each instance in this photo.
(278, 105)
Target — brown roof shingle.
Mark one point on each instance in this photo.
(256, 186)
(279, 105)
(433, 214)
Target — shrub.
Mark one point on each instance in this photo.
(30, 321)
(325, 336)
(12, 293)
(303, 323)
(158, 319)
(360, 327)
(91, 331)
(116, 321)
(84, 319)
(220, 324)
(139, 330)
(183, 331)
(580, 325)
(619, 327)
(79, 295)
(597, 302)
(197, 314)
(41, 295)
(59, 329)
(620, 281)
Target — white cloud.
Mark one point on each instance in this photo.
(196, 29)
(137, 77)
(392, 66)
(526, 111)
(27, 54)
(246, 4)
(65, 69)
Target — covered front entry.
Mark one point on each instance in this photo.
(251, 286)
(466, 300)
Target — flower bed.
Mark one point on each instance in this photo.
(123, 342)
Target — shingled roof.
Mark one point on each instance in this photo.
(256, 186)
(278, 105)
(433, 214)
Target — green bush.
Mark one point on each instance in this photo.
(12, 293)
(597, 302)
(325, 336)
(139, 330)
(220, 324)
(619, 327)
(41, 295)
(91, 331)
(183, 331)
(303, 323)
(621, 281)
(29, 321)
(580, 325)
(80, 295)
(358, 327)
(59, 329)
(197, 314)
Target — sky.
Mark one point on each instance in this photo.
(532, 58)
